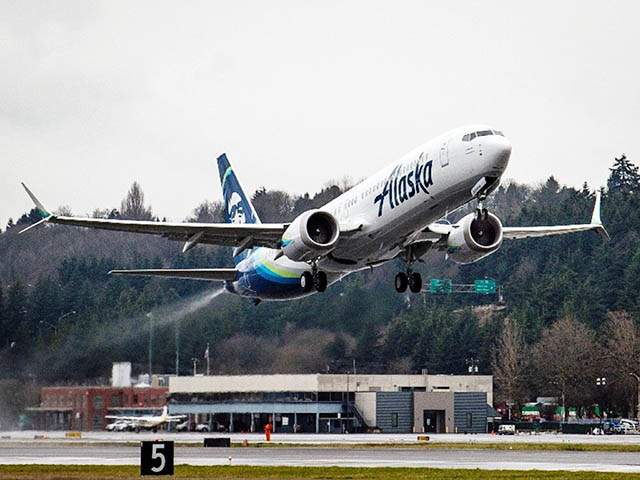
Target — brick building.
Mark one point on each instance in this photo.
(85, 408)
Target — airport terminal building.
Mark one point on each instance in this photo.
(330, 403)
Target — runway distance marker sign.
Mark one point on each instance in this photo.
(156, 458)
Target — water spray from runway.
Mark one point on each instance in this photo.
(124, 332)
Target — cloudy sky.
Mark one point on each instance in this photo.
(95, 95)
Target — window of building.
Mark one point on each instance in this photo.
(115, 401)
(98, 401)
(469, 419)
(97, 422)
(394, 419)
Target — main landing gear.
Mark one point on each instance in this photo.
(413, 280)
(313, 280)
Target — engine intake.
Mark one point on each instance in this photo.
(310, 235)
(474, 238)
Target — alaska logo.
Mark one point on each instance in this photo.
(400, 189)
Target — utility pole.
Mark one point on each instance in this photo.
(195, 366)
(177, 339)
(207, 357)
(150, 315)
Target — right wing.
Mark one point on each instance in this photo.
(245, 235)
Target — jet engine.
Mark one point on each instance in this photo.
(310, 235)
(474, 237)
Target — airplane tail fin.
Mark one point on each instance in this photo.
(238, 208)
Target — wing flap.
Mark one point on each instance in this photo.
(221, 274)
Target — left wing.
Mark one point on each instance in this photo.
(437, 232)
(530, 232)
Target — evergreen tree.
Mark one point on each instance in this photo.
(624, 178)
(16, 316)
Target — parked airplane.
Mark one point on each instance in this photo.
(148, 422)
(395, 213)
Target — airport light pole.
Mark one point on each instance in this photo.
(638, 404)
(601, 382)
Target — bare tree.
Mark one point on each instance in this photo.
(508, 363)
(132, 206)
(208, 212)
(621, 357)
(564, 361)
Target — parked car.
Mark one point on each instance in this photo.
(202, 427)
(183, 427)
(119, 426)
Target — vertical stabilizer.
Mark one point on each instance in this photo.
(237, 207)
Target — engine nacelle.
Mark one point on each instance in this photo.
(473, 238)
(312, 234)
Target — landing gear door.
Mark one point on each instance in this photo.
(444, 153)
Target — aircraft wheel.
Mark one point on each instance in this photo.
(415, 282)
(401, 282)
(306, 281)
(320, 281)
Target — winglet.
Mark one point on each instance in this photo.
(44, 213)
(596, 220)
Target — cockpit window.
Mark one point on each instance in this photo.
(468, 137)
(484, 133)
(498, 132)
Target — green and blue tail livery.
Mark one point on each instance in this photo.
(237, 207)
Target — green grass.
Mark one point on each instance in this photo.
(56, 472)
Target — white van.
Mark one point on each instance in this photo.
(506, 429)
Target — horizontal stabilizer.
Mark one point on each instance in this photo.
(221, 274)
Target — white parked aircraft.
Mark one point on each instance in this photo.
(148, 422)
(392, 214)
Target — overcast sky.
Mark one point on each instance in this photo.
(95, 95)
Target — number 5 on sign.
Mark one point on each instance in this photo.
(156, 458)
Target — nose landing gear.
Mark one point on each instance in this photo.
(413, 280)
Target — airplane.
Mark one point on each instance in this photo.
(148, 422)
(395, 214)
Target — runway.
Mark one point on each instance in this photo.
(115, 448)
(323, 457)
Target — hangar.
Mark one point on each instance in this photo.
(334, 403)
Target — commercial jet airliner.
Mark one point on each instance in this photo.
(396, 213)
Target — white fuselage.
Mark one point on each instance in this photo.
(395, 205)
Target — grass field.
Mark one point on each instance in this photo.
(59, 472)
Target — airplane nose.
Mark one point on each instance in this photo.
(501, 152)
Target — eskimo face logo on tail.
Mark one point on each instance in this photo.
(399, 189)
(235, 210)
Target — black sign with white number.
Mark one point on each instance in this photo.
(156, 458)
